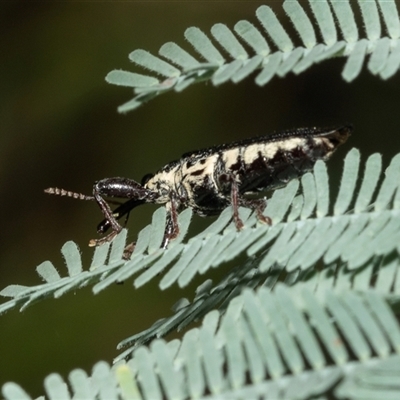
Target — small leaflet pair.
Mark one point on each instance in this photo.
(212, 179)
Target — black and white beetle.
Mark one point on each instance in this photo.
(210, 180)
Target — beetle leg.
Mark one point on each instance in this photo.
(171, 226)
(107, 212)
(119, 212)
(104, 239)
(257, 205)
(235, 201)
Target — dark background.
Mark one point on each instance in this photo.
(59, 127)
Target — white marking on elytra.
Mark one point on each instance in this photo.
(206, 168)
(194, 175)
(269, 150)
(231, 157)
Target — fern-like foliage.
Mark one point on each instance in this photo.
(269, 50)
(282, 345)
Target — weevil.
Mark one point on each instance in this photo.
(212, 179)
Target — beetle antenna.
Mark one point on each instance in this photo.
(63, 192)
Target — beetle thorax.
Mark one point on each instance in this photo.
(163, 182)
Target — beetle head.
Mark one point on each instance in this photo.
(122, 188)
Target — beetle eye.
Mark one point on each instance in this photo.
(146, 178)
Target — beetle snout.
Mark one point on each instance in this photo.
(120, 187)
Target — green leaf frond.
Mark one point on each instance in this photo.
(351, 242)
(283, 344)
(268, 49)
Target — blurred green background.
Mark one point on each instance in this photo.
(59, 127)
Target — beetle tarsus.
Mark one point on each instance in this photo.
(258, 206)
(127, 254)
(104, 239)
